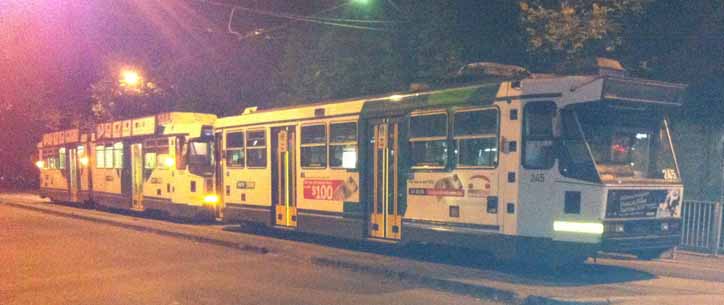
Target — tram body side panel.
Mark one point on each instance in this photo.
(54, 184)
(327, 197)
(107, 182)
(160, 180)
(246, 190)
(456, 199)
(328, 202)
(247, 194)
(53, 176)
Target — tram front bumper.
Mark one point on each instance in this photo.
(637, 235)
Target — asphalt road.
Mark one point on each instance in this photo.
(47, 259)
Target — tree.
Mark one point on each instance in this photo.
(112, 101)
(563, 34)
(328, 62)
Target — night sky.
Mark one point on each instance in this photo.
(53, 50)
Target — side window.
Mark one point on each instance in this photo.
(476, 137)
(108, 157)
(235, 149)
(314, 146)
(256, 149)
(428, 140)
(156, 154)
(149, 160)
(51, 156)
(100, 156)
(538, 135)
(61, 158)
(118, 155)
(343, 145)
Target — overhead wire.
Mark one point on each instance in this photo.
(339, 22)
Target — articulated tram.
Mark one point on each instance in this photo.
(537, 166)
(158, 163)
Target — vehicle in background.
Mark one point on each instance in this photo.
(158, 163)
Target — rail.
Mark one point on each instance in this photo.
(701, 227)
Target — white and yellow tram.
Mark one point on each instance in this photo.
(519, 167)
(162, 163)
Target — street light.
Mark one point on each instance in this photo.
(130, 78)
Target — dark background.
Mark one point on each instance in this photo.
(53, 52)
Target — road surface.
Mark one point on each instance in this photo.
(48, 259)
(55, 254)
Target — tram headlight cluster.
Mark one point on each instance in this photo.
(211, 199)
(578, 227)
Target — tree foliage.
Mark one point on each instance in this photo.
(323, 63)
(563, 33)
(111, 101)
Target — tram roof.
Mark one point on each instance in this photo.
(480, 94)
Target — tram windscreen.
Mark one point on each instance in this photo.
(201, 157)
(628, 143)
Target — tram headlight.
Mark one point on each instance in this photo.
(40, 164)
(211, 199)
(578, 227)
(169, 162)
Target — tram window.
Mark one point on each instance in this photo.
(314, 146)
(108, 157)
(343, 145)
(61, 158)
(538, 135)
(256, 149)
(423, 126)
(476, 122)
(118, 155)
(149, 160)
(235, 149)
(428, 140)
(235, 139)
(314, 134)
(100, 156)
(476, 137)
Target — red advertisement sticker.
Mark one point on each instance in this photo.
(322, 189)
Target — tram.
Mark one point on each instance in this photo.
(524, 166)
(159, 163)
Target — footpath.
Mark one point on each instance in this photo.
(608, 281)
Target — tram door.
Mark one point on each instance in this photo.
(73, 175)
(384, 174)
(219, 173)
(284, 198)
(137, 176)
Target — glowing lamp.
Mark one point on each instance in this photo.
(211, 199)
(130, 77)
(578, 227)
(169, 162)
(40, 164)
(83, 161)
